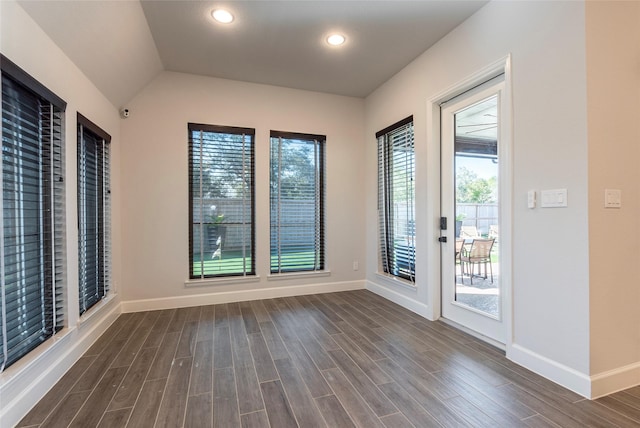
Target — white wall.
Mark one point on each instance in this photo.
(24, 43)
(613, 77)
(550, 281)
(155, 185)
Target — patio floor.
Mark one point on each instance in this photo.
(483, 294)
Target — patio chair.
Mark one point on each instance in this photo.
(469, 232)
(459, 245)
(478, 253)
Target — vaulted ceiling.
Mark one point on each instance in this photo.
(122, 45)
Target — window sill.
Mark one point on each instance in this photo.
(395, 281)
(206, 282)
(298, 275)
(96, 309)
(38, 354)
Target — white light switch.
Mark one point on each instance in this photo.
(555, 198)
(531, 199)
(612, 198)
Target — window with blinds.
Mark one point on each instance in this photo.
(221, 201)
(33, 216)
(396, 199)
(297, 202)
(94, 213)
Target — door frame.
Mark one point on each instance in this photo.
(505, 149)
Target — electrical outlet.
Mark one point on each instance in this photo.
(612, 198)
(355, 265)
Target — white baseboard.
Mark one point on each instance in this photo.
(572, 379)
(237, 296)
(28, 380)
(400, 299)
(611, 381)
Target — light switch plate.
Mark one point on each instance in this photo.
(554, 198)
(531, 199)
(612, 198)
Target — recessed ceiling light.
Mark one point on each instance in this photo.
(223, 16)
(336, 39)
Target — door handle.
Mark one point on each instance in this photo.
(442, 239)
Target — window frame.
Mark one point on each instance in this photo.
(47, 139)
(90, 133)
(249, 269)
(319, 148)
(391, 255)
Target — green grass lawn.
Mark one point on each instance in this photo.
(231, 262)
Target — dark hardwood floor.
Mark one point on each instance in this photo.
(337, 360)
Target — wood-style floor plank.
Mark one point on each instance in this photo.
(199, 413)
(365, 387)
(371, 369)
(64, 413)
(302, 404)
(614, 404)
(174, 402)
(222, 355)
(249, 397)
(225, 399)
(202, 369)
(265, 368)
(397, 420)
(129, 351)
(273, 341)
(499, 413)
(260, 311)
(249, 317)
(539, 421)
(187, 342)
(278, 409)
(420, 393)
(334, 414)
(308, 370)
(159, 328)
(589, 407)
(409, 407)
(132, 384)
(257, 419)
(206, 323)
(164, 357)
(359, 412)
(92, 376)
(146, 408)
(349, 359)
(91, 412)
(115, 418)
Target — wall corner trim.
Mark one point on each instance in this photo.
(615, 380)
(237, 296)
(565, 376)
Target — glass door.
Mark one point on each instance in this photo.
(471, 282)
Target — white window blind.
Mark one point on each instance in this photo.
(33, 217)
(297, 202)
(94, 213)
(396, 199)
(221, 201)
